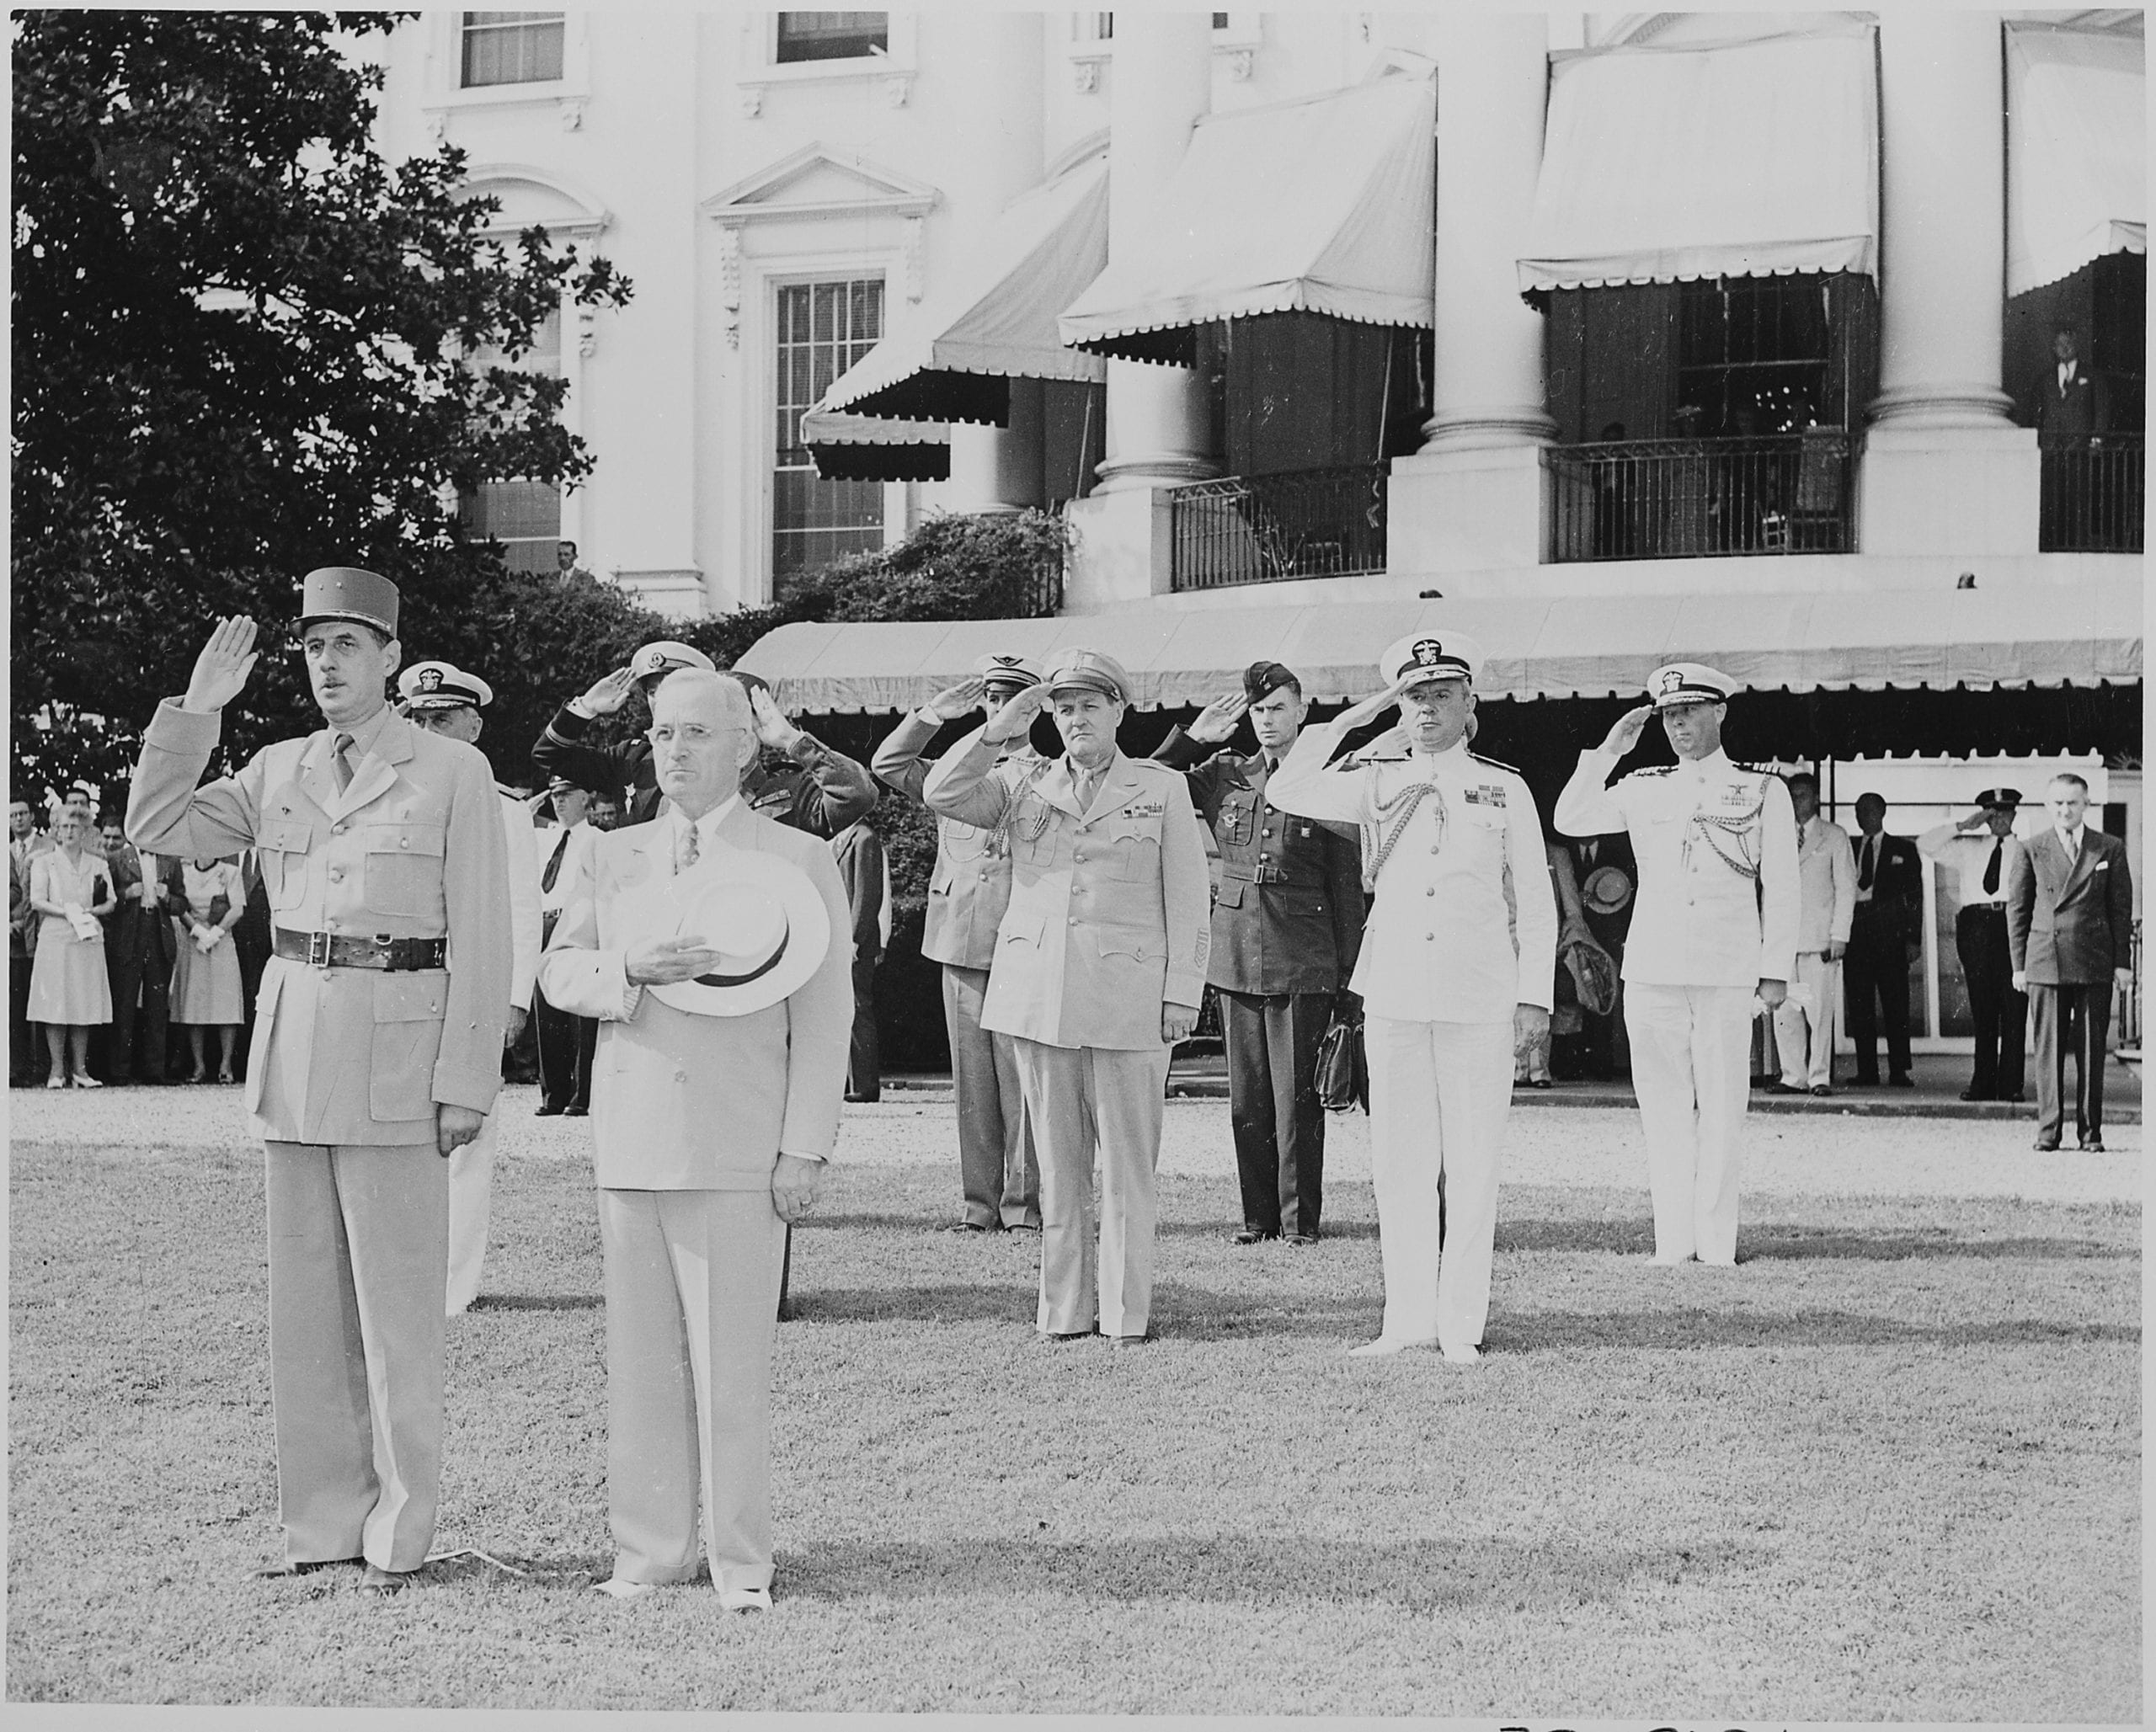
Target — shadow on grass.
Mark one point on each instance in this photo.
(1419, 1577)
(1782, 1242)
(537, 1302)
(1559, 1331)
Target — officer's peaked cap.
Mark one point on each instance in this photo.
(2008, 797)
(663, 656)
(1088, 670)
(1688, 683)
(442, 685)
(1424, 656)
(1020, 671)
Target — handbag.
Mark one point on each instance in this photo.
(1344, 1071)
(220, 905)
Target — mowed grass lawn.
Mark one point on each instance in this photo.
(1888, 1468)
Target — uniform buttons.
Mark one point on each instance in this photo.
(338, 829)
(1073, 920)
(336, 875)
(680, 1076)
(1433, 848)
(1431, 891)
(1429, 935)
(403, 841)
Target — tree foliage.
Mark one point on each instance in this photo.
(239, 347)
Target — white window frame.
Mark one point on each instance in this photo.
(763, 72)
(1237, 43)
(446, 95)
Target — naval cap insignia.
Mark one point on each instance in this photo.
(1671, 680)
(1428, 652)
(430, 679)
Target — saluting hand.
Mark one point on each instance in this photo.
(1015, 720)
(955, 703)
(608, 694)
(1370, 708)
(454, 1127)
(1626, 733)
(1216, 723)
(1177, 1022)
(221, 670)
(772, 728)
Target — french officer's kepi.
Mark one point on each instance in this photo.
(2007, 798)
(1421, 657)
(1088, 670)
(442, 685)
(1017, 672)
(344, 592)
(663, 656)
(1688, 683)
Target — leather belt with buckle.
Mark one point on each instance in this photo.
(336, 949)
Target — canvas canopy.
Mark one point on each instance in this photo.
(2076, 152)
(865, 448)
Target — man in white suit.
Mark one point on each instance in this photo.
(712, 945)
(445, 699)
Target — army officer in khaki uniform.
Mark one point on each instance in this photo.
(1100, 964)
(382, 853)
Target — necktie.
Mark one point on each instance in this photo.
(341, 766)
(1082, 785)
(1863, 877)
(554, 862)
(1991, 867)
(685, 856)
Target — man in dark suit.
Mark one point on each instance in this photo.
(1286, 922)
(1885, 931)
(139, 949)
(859, 851)
(2070, 407)
(2071, 415)
(2069, 915)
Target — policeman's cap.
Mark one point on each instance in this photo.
(1261, 680)
(1017, 672)
(344, 592)
(1688, 683)
(2005, 799)
(656, 659)
(1088, 670)
(1422, 657)
(442, 685)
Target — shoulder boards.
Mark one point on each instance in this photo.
(1510, 770)
(1652, 770)
(1751, 768)
(1152, 764)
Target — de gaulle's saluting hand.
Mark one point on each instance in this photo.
(221, 670)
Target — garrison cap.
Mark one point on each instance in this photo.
(1261, 680)
(1426, 656)
(663, 656)
(1688, 683)
(344, 592)
(1020, 671)
(2007, 798)
(1088, 670)
(442, 685)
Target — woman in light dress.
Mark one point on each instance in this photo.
(205, 985)
(70, 884)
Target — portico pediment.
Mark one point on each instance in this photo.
(817, 181)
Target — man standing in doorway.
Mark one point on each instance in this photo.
(1826, 876)
(1886, 930)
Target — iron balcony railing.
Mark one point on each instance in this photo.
(2094, 497)
(1689, 499)
(1263, 529)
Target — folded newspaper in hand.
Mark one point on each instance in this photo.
(85, 923)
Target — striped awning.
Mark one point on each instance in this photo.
(868, 448)
(2077, 151)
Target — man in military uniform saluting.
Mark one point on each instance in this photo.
(1448, 989)
(1286, 926)
(1100, 963)
(968, 891)
(823, 793)
(381, 849)
(1715, 925)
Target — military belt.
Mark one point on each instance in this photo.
(1263, 873)
(337, 950)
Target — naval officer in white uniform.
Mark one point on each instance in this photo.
(1716, 926)
(1448, 977)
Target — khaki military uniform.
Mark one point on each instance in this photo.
(347, 1068)
(1107, 921)
(968, 891)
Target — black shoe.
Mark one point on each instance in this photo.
(1820, 1091)
(859, 1100)
(545, 1111)
(967, 1225)
(1252, 1235)
(2045, 1145)
(576, 1112)
(1302, 1238)
(1974, 1094)
(1779, 1087)
(1075, 1335)
(2093, 1145)
(1901, 1079)
(1130, 1340)
(280, 1572)
(2016, 1099)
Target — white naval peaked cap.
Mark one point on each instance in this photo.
(1688, 683)
(442, 685)
(1440, 655)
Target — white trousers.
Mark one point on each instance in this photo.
(1439, 1093)
(1821, 982)
(1691, 1063)
(471, 1202)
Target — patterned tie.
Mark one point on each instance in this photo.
(684, 856)
(1991, 867)
(340, 766)
(1864, 877)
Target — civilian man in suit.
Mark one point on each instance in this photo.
(566, 1042)
(382, 852)
(822, 793)
(1826, 881)
(858, 851)
(1100, 964)
(2070, 409)
(1983, 851)
(2069, 918)
(1455, 973)
(139, 952)
(711, 944)
(1885, 929)
(1286, 922)
(445, 699)
(1714, 932)
(999, 1174)
(2071, 418)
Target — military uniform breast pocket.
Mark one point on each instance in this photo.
(1134, 847)
(407, 1013)
(962, 841)
(1238, 821)
(404, 868)
(284, 846)
(1031, 832)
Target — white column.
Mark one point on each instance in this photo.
(1162, 81)
(995, 59)
(1946, 471)
(1474, 498)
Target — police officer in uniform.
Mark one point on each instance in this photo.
(1100, 964)
(1716, 926)
(445, 699)
(823, 793)
(1982, 851)
(968, 889)
(1286, 924)
(372, 1062)
(1447, 988)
